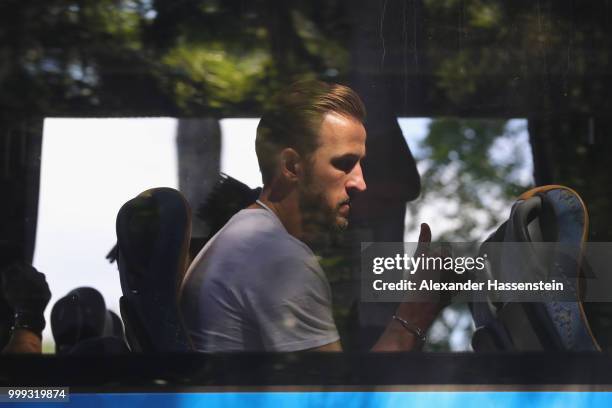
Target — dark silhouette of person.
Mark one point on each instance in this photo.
(26, 293)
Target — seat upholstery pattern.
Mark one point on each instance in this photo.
(554, 214)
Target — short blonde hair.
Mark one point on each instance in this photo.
(295, 117)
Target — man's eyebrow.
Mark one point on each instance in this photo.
(349, 156)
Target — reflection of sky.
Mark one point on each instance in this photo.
(90, 167)
(414, 130)
(507, 149)
(238, 157)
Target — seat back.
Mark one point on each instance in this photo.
(153, 232)
(554, 214)
(81, 316)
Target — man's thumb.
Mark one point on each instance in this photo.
(424, 240)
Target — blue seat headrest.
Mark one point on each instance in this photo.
(553, 214)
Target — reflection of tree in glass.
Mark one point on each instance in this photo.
(471, 172)
(175, 58)
(548, 61)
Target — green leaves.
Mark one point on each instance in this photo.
(476, 167)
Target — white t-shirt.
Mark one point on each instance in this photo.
(254, 287)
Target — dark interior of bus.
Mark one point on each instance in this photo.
(471, 67)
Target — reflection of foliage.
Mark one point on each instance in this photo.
(215, 76)
(473, 167)
(452, 331)
(183, 58)
(548, 60)
(463, 167)
(338, 271)
(521, 56)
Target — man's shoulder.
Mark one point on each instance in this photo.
(249, 221)
(259, 232)
(254, 239)
(254, 249)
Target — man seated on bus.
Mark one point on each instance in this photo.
(257, 285)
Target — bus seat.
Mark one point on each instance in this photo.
(81, 316)
(153, 232)
(543, 214)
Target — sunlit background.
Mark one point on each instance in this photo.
(91, 167)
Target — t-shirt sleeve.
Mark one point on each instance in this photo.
(295, 311)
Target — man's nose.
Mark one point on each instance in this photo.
(356, 180)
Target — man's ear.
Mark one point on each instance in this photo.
(291, 164)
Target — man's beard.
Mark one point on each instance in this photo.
(320, 222)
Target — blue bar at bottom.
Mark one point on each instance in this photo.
(335, 399)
